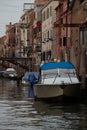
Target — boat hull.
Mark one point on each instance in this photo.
(56, 92)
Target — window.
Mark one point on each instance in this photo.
(43, 16)
(43, 56)
(81, 1)
(60, 41)
(48, 35)
(82, 36)
(85, 38)
(44, 38)
(64, 41)
(69, 3)
(48, 13)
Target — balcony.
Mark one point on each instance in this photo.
(24, 25)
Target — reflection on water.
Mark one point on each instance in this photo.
(18, 111)
(64, 117)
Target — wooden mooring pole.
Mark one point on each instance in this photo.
(18, 77)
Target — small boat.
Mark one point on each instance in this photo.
(58, 81)
(30, 78)
(1, 73)
(25, 79)
(10, 73)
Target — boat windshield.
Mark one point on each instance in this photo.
(59, 73)
(67, 73)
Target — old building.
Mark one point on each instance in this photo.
(48, 32)
(79, 37)
(3, 51)
(17, 40)
(12, 40)
(63, 30)
(3, 46)
(38, 31)
(26, 25)
(71, 31)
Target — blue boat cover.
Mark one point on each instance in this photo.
(32, 77)
(55, 65)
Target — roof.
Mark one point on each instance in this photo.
(55, 65)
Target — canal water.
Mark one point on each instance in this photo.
(19, 111)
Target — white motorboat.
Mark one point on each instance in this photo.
(10, 73)
(58, 80)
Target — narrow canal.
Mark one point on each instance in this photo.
(18, 111)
